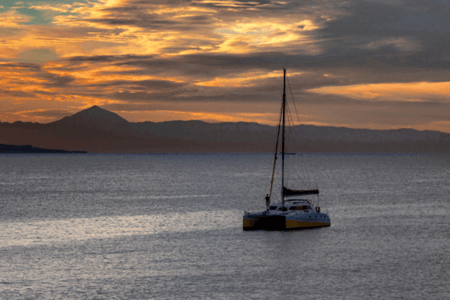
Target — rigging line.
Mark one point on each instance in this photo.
(295, 146)
(310, 182)
(288, 146)
(276, 153)
(295, 134)
(298, 119)
(306, 172)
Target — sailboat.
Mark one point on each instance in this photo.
(292, 212)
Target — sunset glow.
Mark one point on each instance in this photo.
(408, 92)
(348, 63)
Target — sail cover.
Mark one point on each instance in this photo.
(289, 192)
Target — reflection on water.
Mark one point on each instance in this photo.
(170, 227)
(61, 231)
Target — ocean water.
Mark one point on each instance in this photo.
(169, 226)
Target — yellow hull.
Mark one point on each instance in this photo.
(249, 224)
(291, 224)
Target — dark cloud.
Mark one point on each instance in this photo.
(54, 80)
(21, 66)
(151, 84)
(98, 58)
(415, 35)
(16, 94)
(359, 69)
(140, 15)
(132, 107)
(180, 49)
(51, 113)
(137, 97)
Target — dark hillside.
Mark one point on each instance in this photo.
(98, 130)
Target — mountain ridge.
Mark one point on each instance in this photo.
(98, 130)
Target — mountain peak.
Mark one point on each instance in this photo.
(96, 109)
(94, 117)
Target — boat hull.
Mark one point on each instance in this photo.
(263, 221)
(293, 224)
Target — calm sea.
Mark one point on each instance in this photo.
(170, 227)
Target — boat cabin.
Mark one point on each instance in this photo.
(297, 204)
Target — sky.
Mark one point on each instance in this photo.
(377, 64)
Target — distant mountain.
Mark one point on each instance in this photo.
(98, 130)
(94, 118)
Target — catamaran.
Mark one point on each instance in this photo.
(292, 212)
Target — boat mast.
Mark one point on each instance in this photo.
(282, 137)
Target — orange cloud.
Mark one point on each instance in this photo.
(12, 19)
(180, 59)
(409, 92)
(244, 79)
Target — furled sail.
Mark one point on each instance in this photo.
(289, 192)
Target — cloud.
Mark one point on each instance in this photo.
(376, 64)
(16, 94)
(49, 113)
(37, 55)
(12, 20)
(404, 92)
